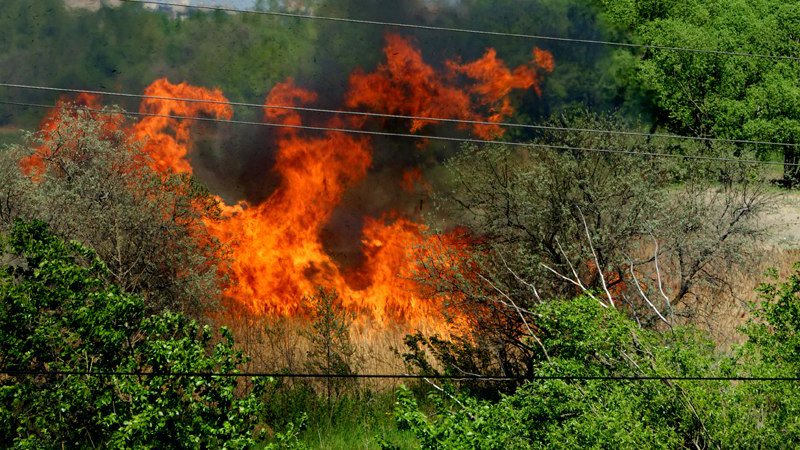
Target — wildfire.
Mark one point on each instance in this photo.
(413, 179)
(34, 165)
(278, 252)
(165, 128)
(406, 85)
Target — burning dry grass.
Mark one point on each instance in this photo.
(720, 309)
(277, 247)
(277, 251)
(282, 345)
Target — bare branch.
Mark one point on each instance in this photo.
(574, 272)
(452, 397)
(576, 282)
(596, 259)
(658, 276)
(518, 278)
(644, 296)
(521, 316)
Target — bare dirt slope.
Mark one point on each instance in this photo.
(784, 222)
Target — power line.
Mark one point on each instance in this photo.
(467, 31)
(467, 377)
(396, 116)
(410, 135)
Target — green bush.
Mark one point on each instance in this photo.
(58, 314)
(584, 339)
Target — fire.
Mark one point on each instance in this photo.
(278, 252)
(406, 85)
(34, 165)
(167, 139)
(280, 256)
(495, 81)
(413, 179)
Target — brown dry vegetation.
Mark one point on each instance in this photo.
(721, 311)
(281, 344)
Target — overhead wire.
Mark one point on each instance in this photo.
(464, 30)
(409, 135)
(466, 377)
(395, 116)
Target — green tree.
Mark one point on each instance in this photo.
(728, 96)
(59, 314)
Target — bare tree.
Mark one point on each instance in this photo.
(636, 233)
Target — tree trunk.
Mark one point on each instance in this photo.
(791, 170)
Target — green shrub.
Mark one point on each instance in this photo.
(583, 339)
(58, 314)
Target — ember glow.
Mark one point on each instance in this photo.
(278, 252)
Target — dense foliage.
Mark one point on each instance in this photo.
(585, 340)
(58, 314)
(740, 97)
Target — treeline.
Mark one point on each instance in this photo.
(693, 93)
(125, 48)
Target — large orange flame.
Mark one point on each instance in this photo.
(279, 256)
(278, 252)
(166, 124)
(406, 85)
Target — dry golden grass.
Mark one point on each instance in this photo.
(282, 345)
(722, 311)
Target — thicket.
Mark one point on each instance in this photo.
(90, 182)
(651, 236)
(583, 339)
(58, 313)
